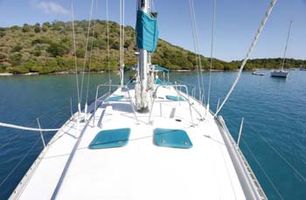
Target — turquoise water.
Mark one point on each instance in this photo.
(274, 134)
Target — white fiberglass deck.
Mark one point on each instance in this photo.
(140, 170)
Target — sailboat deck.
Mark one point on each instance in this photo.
(139, 170)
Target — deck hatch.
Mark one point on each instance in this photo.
(110, 139)
(173, 138)
(175, 98)
(115, 98)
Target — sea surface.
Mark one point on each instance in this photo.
(273, 138)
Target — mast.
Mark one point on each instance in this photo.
(286, 47)
(147, 36)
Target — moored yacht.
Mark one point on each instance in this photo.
(281, 73)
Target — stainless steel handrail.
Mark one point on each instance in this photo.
(179, 95)
(110, 86)
(97, 94)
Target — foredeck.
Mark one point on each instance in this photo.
(139, 170)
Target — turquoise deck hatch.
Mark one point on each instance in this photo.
(173, 138)
(114, 98)
(110, 139)
(175, 98)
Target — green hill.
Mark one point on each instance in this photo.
(48, 48)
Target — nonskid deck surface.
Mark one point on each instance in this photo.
(139, 170)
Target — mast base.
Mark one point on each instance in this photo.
(143, 110)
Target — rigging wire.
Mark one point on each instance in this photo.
(299, 174)
(256, 133)
(75, 57)
(10, 140)
(249, 52)
(19, 162)
(121, 41)
(86, 48)
(196, 49)
(107, 38)
(263, 170)
(90, 58)
(211, 50)
(196, 45)
(286, 47)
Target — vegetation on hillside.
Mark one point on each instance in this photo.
(48, 48)
(271, 63)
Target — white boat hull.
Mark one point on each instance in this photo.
(279, 73)
(213, 168)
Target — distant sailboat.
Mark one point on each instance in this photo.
(258, 73)
(281, 73)
(302, 68)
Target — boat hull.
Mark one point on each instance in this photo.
(258, 74)
(279, 74)
(68, 162)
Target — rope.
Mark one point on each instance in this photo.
(75, 57)
(259, 31)
(286, 47)
(262, 169)
(211, 49)
(86, 48)
(26, 128)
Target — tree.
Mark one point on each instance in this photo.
(16, 48)
(26, 28)
(2, 57)
(36, 52)
(80, 53)
(37, 28)
(56, 49)
(58, 26)
(15, 28)
(15, 58)
(45, 26)
(2, 34)
(100, 43)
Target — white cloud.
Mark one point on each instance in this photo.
(50, 7)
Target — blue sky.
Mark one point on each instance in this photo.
(236, 23)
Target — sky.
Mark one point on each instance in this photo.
(236, 22)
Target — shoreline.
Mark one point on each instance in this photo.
(6, 74)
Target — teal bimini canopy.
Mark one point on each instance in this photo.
(158, 68)
(147, 31)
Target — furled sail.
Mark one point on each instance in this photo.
(147, 31)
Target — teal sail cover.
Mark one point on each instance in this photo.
(147, 31)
